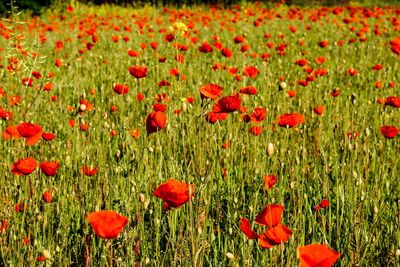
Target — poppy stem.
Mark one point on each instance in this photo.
(110, 247)
(34, 100)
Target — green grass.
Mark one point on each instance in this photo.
(359, 177)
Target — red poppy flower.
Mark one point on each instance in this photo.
(89, 171)
(159, 107)
(246, 229)
(20, 207)
(319, 110)
(250, 71)
(377, 67)
(205, 48)
(317, 255)
(155, 121)
(269, 181)
(10, 132)
(32, 132)
(389, 131)
(5, 114)
(135, 134)
(303, 83)
(271, 215)
(238, 39)
(292, 93)
(319, 60)
(27, 81)
(248, 90)
(212, 117)
(47, 197)
(352, 71)
(121, 89)
(106, 223)
(335, 92)
(212, 91)
(274, 236)
(3, 226)
(322, 205)
(24, 166)
(138, 72)
(140, 97)
(258, 115)
(227, 104)
(255, 130)
(174, 193)
(226, 52)
(48, 136)
(290, 120)
(49, 168)
(393, 101)
(323, 44)
(301, 62)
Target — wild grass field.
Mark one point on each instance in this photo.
(254, 135)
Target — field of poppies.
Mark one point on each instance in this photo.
(254, 135)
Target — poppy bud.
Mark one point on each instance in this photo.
(118, 154)
(46, 254)
(282, 86)
(82, 107)
(229, 255)
(184, 107)
(270, 149)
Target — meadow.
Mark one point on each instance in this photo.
(254, 135)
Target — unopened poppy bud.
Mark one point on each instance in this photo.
(398, 253)
(229, 255)
(282, 86)
(367, 132)
(46, 254)
(270, 149)
(184, 107)
(82, 107)
(141, 197)
(118, 154)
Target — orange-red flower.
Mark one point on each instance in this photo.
(89, 171)
(274, 236)
(269, 181)
(248, 90)
(106, 223)
(317, 255)
(138, 72)
(250, 71)
(174, 193)
(31, 132)
(213, 117)
(10, 132)
(155, 121)
(290, 120)
(24, 166)
(121, 89)
(258, 115)
(49, 168)
(271, 215)
(47, 196)
(48, 136)
(389, 131)
(393, 101)
(227, 104)
(212, 91)
(319, 110)
(246, 229)
(256, 130)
